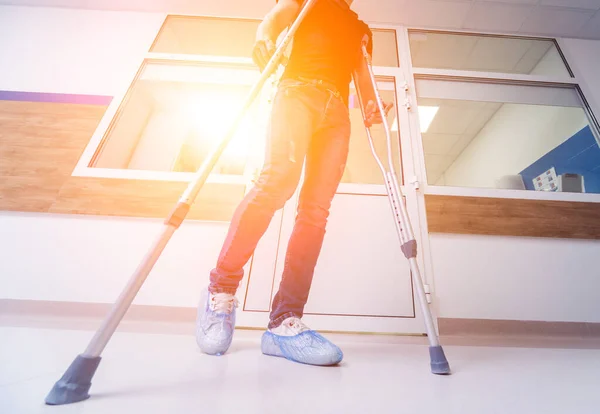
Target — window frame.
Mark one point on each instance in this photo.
(413, 161)
(84, 167)
(415, 73)
(553, 40)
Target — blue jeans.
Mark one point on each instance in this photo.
(308, 121)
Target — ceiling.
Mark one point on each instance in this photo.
(455, 125)
(559, 18)
(487, 54)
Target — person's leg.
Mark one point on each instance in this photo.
(325, 164)
(288, 336)
(291, 127)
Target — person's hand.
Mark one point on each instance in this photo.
(262, 52)
(372, 114)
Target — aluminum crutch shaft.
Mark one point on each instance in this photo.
(438, 362)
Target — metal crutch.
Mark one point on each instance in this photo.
(439, 363)
(76, 381)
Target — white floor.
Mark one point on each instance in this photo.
(165, 373)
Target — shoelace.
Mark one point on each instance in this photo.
(297, 325)
(223, 303)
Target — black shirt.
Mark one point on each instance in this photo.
(327, 44)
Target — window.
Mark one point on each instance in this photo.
(502, 54)
(191, 83)
(190, 35)
(175, 113)
(385, 48)
(507, 132)
(235, 38)
(508, 137)
(188, 89)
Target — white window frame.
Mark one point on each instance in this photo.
(413, 73)
(413, 162)
(83, 168)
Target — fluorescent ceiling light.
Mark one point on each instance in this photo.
(426, 116)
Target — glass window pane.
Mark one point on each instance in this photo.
(361, 167)
(173, 116)
(206, 36)
(508, 145)
(171, 119)
(385, 48)
(235, 38)
(486, 54)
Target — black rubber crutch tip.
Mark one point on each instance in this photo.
(439, 363)
(75, 383)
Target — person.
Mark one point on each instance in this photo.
(309, 122)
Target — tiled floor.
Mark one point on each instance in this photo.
(165, 373)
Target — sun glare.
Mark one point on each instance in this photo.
(211, 115)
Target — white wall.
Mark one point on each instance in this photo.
(72, 51)
(89, 259)
(516, 278)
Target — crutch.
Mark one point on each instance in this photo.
(408, 244)
(76, 381)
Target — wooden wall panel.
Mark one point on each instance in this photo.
(40, 144)
(33, 194)
(512, 217)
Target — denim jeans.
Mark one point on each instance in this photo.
(308, 122)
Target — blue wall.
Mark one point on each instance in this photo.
(580, 154)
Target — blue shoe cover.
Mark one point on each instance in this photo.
(309, 347)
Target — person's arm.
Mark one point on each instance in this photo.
(281, 16)
(363, 78)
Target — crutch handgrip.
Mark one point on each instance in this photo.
(363, 48)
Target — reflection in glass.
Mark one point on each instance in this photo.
(192, 35)
(385, 48)
(486, 54)
(170, 120)
(510, 146)
(168, 123)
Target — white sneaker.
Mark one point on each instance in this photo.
(215, 322)
(290, 327)
(295, 341)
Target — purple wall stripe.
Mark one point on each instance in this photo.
(55, 97)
